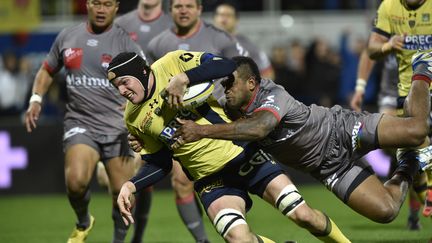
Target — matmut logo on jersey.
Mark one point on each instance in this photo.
(418, 42)
(73, 58)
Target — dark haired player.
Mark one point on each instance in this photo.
(93, 125)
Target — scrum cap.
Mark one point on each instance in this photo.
(129, 64)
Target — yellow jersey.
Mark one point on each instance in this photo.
(393, 18)
(155, 122)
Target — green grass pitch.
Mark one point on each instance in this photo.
(48, 218)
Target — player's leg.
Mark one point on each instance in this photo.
(102, 176)
(187, 206)
(427, 210)
(228, 216)
(282, 193)
(80, 162)
(142, 207)
(119, 170)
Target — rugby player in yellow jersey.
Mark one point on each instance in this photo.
(224, 171)
(403, 27)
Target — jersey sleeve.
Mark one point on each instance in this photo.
(132, 46)
(229, 46)
(150, 145)
(382, 23)
(54, 61)
(186, 59)
(274, 101)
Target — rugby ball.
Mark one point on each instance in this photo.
(197, 95)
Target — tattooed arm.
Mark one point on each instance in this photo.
(255, 127)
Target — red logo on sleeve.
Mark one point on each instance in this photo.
(73, 58)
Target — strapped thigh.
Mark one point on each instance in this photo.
(289, 200)
(227, 219)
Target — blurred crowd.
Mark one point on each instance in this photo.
(313, 72)
(51, 7)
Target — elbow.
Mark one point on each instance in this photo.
(372, 54)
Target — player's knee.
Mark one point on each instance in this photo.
(289, 200)
(182, 187)
(232, 226)
(76, 185)
(386, 212)
(304, 217)
(417, 134)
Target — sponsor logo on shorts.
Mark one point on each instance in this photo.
(355, 135)
(73, 131)
(330, 182)
(208, 188)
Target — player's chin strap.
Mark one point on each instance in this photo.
(227, 219)
(289, 200)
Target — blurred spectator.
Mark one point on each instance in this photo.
(350, 51)
(289, 68)
(322, 65)
(14, 83)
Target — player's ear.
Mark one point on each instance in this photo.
(251, 83)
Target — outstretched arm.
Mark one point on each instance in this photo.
(255, 127)
(363, 71)
(41, 84)
(157, 167)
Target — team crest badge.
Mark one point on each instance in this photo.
(105, 60)
(425, 17)
(111, 75)
(411, 23)
(133, 36)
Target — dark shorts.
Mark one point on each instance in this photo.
(108, 146)
(239, 178)
(354, 135)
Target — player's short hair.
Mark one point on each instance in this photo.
(246, 67)
(198, 2)
(230, 5)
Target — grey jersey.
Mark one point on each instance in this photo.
(92, 99)
(143, 31)
(254, 52)
(207, 39)
(303, 132)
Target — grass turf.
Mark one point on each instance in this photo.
(48, 218)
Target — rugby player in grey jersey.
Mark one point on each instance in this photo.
(226, 18)
(388, 104)
(190, 32)
(145, 22)
(328, 142)
(93, 130)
